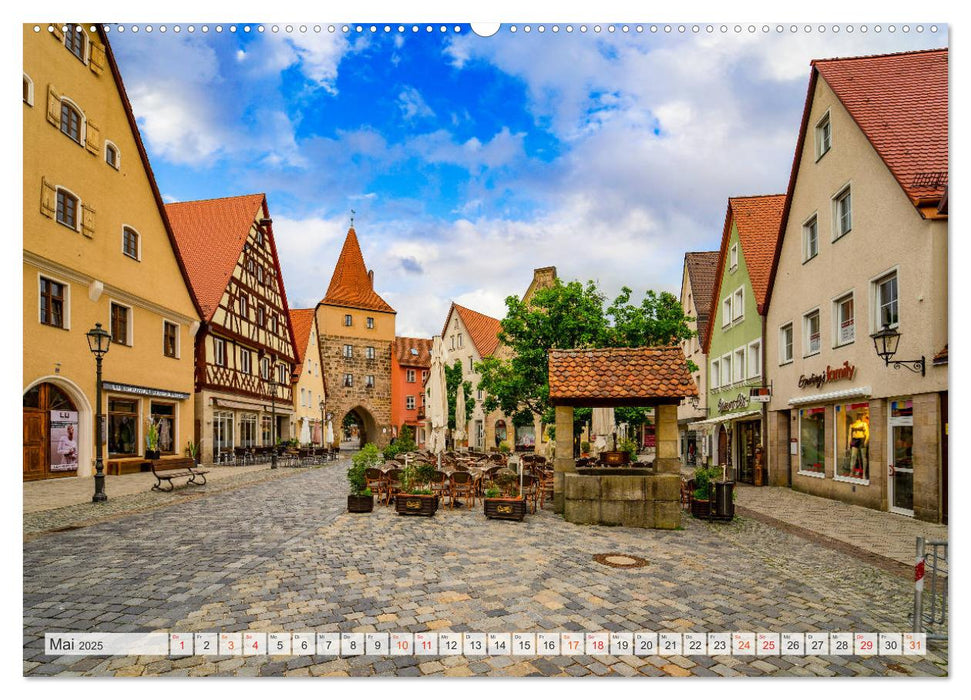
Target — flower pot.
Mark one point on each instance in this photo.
(360, 504)
(700, 509)
(152, 454)
(505, 508)
(416, 504)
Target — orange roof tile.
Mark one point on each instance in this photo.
(351, 285)
(624, 376)
(484, 330)
(422, 355)
(301, 320)
(701, 269)
(899, 101)
(210, 235)
(758, 219)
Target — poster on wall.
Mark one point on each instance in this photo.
(64, 441)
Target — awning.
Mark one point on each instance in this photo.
(281, 408)
(723, 419)
(831, 396)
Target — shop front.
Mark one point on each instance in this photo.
(734, 439)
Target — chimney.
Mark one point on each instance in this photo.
(370, 278)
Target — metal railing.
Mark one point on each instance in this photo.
(930, 588)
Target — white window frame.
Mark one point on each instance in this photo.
(738, 305)
(811, 220)
(85, 46)
(80, 209)
(806, 340)
(818, 131)
(715, 374)
(348, 352)
(265, 369)
(348, 380)
(783, 360)
(369, 352)
(244, 353)
(219, 348)
(67, 300)
(409, 403)
(30, 91)
(178, 338)
(733, 257)
(130, 335)
(738, 367)
(726, 361)
(410, 376)
(876, 301)
(82, 130)
(844, 191)
(369, 381)
(138, 238)
(754, 353)
(727, 311)
(459, 341)
(370, 322)
(838, 321)
(112, 144)
(348, 320)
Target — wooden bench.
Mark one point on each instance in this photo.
(165, 470)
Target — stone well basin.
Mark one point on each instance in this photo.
(629, 497)
(615, 471)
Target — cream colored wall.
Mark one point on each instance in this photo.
(455, 327)
(692, 351)
(887, 233)
(153, 287)
(331, 319)
(311, 379)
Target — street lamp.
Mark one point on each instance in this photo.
(885, 342)
(99, 340)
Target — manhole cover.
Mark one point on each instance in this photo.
(620, 561)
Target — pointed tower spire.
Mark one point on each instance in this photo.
(351, 285)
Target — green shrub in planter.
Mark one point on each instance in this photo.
(704, 480)
(368, 458)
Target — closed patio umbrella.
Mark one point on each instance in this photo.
(437, 408)
(602, 426)
(460, 414)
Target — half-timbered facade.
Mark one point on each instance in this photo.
(244, 352)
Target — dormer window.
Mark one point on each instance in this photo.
(824, 136)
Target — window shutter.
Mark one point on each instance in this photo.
(53, 106)
(57, 32)
(48, 198)
(87, 221)
(92, 138)
(97, 62)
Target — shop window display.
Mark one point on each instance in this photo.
(812, 449)
(163, 415)
(122, 427)
(853, 440)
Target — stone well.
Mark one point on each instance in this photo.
(647, 500)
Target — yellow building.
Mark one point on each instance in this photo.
(97, 249)
(308, 380)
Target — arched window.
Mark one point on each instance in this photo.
(71, 121)
(112, 156)
(75, 41)
(131, 243)
(67, 209)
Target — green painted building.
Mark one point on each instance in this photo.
(734, 342)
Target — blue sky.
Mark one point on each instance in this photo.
(472, 160)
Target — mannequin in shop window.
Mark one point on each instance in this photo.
(859, 441)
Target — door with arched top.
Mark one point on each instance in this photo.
(41, 402)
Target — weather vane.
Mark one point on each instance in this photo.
(352, 217)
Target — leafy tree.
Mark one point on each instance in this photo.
(568, 316)
(453, 376)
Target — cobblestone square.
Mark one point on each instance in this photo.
(283, 555)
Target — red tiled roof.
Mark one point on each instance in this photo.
(351, 285)
(899, 101)
(301, 320)
(701, 269)
(403, 351)
(758, 219)
(484, 330)
(210, 235)
(619, 375)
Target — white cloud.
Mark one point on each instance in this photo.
(413, 105)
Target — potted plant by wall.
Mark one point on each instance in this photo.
(584, 449)
(360, 499)
(151, 440)
(192, 451)
(416, 497)
(502, 501)
(703, 495)
(504, 447)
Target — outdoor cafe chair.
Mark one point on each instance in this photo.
(462, 486)
(545, 488)
(441, 485)
(376, 480)
(394, 484)
(531, 490)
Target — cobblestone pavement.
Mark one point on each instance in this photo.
(887, 535)
(283, 555)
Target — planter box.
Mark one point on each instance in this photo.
(615, 458)
(416, 504)
(700, 509)
(505, 508)
(360, 504)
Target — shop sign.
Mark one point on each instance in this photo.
(846, 371)
(760, 394)
(64, 441)
(739, 402)
(144, 391)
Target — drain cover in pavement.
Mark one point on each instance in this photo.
(620, 561)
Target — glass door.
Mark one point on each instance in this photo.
(900, 483)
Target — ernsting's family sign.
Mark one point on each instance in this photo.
(831, 374)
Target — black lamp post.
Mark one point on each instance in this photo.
(273, 413)
(99, 340)
(885, 342)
